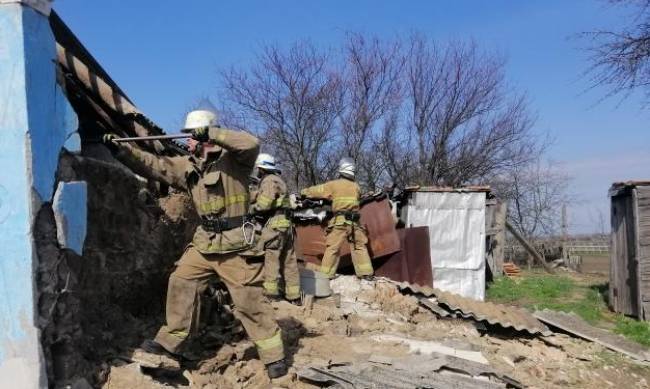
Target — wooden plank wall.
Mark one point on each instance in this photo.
(495, 233)
(623, 286)
(643, 246)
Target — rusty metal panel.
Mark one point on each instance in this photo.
(412, 263)
(495, 314)
(383, 239)
(573, 324)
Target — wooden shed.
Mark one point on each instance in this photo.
(629, 277)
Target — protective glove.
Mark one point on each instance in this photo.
(109, 140)
(201, 134)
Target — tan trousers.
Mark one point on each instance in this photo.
(280, 261)
(243, 279)
(356, 236)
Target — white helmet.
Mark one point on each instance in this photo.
(266, 162)
(346, 167)
(199, 119)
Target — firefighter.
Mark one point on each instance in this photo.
(344, 225)
(215, 176)
(271, 202)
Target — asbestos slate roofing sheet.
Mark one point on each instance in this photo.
(573, 324)
(495, 314)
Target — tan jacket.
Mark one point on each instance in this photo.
(343, 193)
(271, 196)
(218, 186)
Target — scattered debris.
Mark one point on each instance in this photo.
(511, 270)
(430, 347)
(575, 325)
(352, 343)
(436, 371)
(434, 307)
(494, 314)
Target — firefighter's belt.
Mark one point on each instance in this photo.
(352, 216)
(222, 224)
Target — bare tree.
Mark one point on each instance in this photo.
(372, 83)
(292, 100)
(535, 195)
(621, 59)
(427, 114)
(464, 122)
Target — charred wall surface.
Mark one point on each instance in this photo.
(93, 307)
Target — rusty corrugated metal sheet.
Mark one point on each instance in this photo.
(495, 314)
(382, 235)
(412, 263)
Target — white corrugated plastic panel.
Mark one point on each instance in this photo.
(456, 224)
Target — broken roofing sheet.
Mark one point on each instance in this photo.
(573, 324)
(421, 371)
(494, 314)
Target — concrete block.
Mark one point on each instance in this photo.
(70, 213)
(73, 143)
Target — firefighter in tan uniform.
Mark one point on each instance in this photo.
(344, 225)
(216, 177)
(271, 201)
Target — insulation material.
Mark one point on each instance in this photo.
(456, 222)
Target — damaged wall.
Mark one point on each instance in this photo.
(86, 245)
(30, 125)
(96, 305)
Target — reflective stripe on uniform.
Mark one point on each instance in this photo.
(270, 343)
(264, 201)
(329, 271)
(282, 202)
(364, 266)
(220, 203)
(271, 287)
(292, 291)
(280, 222)
(345, 202)
(179, 334)
(340, 220)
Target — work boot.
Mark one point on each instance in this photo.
(276, 369)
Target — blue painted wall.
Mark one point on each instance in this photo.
(31, 134)
(70, 211)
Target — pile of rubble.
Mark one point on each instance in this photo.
(379, 334)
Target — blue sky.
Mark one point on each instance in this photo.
(165, 55)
